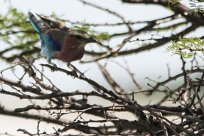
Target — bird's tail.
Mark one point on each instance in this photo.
(37, 24)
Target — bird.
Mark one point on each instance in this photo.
(58, 41)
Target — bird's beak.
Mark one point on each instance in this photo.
(92, 40)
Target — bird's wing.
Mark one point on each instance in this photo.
(59, 25)
(66, 41)
(37, 24)
(53, 23)
(57, 37)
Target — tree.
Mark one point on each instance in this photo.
(73, 110)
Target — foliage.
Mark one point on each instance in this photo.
(187, 46)
(16, 29)
(198, 10)
(173, 1)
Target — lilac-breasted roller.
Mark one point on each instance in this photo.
(58, 41)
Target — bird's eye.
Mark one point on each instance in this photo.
(52, 24)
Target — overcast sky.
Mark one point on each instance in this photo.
(146, 64)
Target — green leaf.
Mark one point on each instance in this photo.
(187, 46)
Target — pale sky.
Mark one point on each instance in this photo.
(147, 64)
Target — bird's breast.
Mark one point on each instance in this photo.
(70, 55)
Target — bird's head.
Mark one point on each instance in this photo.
(82, 36)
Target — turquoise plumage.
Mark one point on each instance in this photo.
(58, 41)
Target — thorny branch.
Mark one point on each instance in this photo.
(62, 104)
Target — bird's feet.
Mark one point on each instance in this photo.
(54, 66)
(74, 70)
(69, 64)
(71, 67)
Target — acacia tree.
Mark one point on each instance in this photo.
(49, 103)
